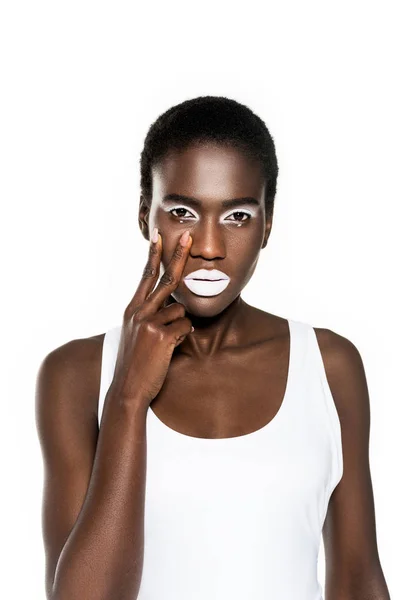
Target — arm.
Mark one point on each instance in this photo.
(353, 569)
(93, 498)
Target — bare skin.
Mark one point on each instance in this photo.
(236, 352)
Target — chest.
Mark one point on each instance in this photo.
(226, 396)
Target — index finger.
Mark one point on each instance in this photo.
(173, 273)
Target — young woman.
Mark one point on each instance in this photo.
(206, 463)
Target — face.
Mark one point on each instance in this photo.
(217, 193)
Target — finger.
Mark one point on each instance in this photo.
(170, 313)
(168, 301)
(179, 329)
(171, 277)
(150, 272)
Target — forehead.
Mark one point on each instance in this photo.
(209, 170)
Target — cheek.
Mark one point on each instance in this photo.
(246, 258)
(244, 248)
(165, 221)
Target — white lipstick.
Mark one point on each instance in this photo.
(205, 282)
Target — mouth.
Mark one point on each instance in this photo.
(207, 275)
(205, 282)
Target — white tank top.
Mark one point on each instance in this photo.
(241, 518)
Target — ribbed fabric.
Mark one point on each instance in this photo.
(241, 518)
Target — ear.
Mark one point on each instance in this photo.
(143, 218)
(267, 231)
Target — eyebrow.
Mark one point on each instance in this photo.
(197, 203)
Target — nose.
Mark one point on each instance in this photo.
(208, 240)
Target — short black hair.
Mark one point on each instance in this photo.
(204, 119)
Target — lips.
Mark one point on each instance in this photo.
(205, 282)
(207, 275)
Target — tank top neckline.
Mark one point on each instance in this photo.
(268, 427)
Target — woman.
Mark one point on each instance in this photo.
(230, 438)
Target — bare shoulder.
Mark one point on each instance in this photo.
(71, 372)
(344, 370)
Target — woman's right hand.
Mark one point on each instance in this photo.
(150, 330)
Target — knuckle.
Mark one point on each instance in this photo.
(153, 330)
(130, 312)
(167, 278)
(180, 309)
(149, 272)
(137, 316)
(153, 250)
(178, 252)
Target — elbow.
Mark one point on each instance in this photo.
(366, 584)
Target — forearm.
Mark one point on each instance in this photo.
(102, 558)
(367, 584)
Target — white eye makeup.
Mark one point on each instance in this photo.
(182, 218)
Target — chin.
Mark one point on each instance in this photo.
(203, 306)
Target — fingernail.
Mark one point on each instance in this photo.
(154, 235)
(184, 238)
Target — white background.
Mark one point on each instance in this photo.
(81, 83)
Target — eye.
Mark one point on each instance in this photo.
(182, 213)
(181, 209)
(240, 212)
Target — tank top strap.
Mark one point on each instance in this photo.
(108, 360)
(316, 366)
(299, 341)
(292, 410)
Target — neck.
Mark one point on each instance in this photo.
(212, 334)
